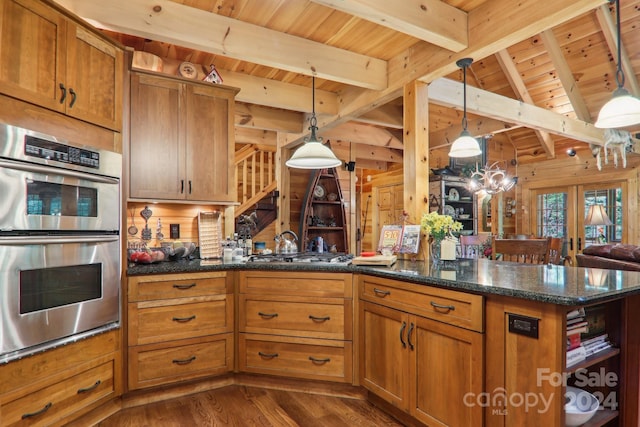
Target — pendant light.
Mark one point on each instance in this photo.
(465, 145)
(313, 154)
(623, 109)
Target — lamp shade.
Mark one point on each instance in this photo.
(623, 109)
(465, 146)
(313, 155)
(597, 216)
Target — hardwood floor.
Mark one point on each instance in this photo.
(238, 405)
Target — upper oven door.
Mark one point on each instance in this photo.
(39, 197)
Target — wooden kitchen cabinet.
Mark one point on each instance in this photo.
(51, 60)
(179, 327)
(301, 328)
(59, 385)
(417, 359)
(182, 140)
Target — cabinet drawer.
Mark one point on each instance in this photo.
(318, 318)
(296, 283)
(161, 364)
(311, 359)
(453, 307)
(146, 288)
(166, 320)
(52, 403)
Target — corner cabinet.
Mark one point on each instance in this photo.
(75, 71)
(451, 196)
(323, 213)
(182, 140)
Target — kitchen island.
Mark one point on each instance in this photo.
(509, 325)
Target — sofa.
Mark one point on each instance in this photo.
(614, 257)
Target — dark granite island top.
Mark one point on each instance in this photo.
(545, 283)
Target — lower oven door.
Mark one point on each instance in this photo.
(54, 288)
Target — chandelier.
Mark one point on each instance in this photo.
(492, 179)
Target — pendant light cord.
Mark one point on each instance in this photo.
(313, 121)
(464, 100)
(619, 72)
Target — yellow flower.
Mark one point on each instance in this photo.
(439, 226)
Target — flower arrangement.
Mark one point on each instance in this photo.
(439, 226)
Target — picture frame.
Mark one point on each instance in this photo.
(410, 242)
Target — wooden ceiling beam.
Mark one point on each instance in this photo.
(449, 93)
(362, 134)
(259, 117)
(171, 22)
(433, 21)
(518, 86)
(255, 136)
(277, 94)
(518, 21)
(389, 116)
(477, 128)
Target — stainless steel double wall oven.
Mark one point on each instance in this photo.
(60, 249)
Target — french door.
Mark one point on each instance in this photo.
(560, 212)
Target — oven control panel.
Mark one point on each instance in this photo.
(51, 150)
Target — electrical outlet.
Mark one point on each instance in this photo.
(174, 231)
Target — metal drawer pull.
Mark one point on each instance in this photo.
(380, 292)
(183, 361)
(41, 411)
(319, 361)
(184, 319)
(90, 388)
(74, 96)
(319, 319)
(183, 287)
(268, 355)
(409, 335)
(267, 315)
(404, 326)
(442, 307)
(63, 93)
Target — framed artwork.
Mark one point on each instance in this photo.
(390, 238)
(461, 164)
(410, 241)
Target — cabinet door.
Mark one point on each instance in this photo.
(32, 53)
(384, 362)
(157, 142)
(447, 373)
(209, 145)
(94, 79)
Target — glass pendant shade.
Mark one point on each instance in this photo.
(465, 146)
(623, 109)
(597, 216)
(313, 155)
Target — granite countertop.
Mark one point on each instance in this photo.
(546, 283)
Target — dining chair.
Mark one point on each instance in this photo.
(473, 246)
(529, 251)
(555, 253)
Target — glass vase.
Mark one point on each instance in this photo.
(435, 250)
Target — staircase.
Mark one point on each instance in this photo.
(255, 175)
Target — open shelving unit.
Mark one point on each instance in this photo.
(323, 213)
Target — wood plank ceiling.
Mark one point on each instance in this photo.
(542, 68)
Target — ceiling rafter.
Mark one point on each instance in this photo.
(566, 76)
(172, 22)
(433, 21)
(518, 86)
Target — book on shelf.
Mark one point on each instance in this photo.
(576, 355)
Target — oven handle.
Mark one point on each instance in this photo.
(29, 167)
(54, 240)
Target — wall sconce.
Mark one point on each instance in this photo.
(350, 166)
(510, 207)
